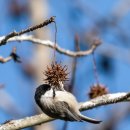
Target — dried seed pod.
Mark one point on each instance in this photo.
(15, 57)
(56, 74)
(97, 90)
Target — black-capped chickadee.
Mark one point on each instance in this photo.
(63, 106)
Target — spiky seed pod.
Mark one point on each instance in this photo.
(56, 74)
(97, 90)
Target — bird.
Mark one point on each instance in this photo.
(62, 106)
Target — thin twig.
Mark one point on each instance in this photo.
(55, 41)
(13, 34)
(65, 126)
(42, 118)
(12, 56)
(95, 68)
(74, 66)
(4, 60)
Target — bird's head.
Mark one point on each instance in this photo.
(41, 90)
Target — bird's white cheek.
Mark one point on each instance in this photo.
(46, 102)
(48, 94)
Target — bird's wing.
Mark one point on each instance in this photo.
(65, 112)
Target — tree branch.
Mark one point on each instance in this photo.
(12, 56)
(105, 100)
(4, 60)
(42, 118)
(14, 33)
(51, 45)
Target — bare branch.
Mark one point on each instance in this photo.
(25, 122)
(42, 118)
(4, 60)
(105, 100)
(13, 34)
(52, 45)
(12, 56)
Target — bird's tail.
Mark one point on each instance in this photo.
(88, 119)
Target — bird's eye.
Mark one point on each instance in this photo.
(49, 88)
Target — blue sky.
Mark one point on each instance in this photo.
(70, 19)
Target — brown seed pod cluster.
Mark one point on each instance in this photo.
(97, 90)
(55, 74)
